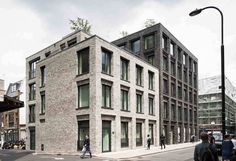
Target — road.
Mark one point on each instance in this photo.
(18, 155)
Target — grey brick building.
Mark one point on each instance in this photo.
(177, 80)
(84, 85)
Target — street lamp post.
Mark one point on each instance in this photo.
(195, 12)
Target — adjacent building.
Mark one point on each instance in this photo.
(178, 78)
(83, 85)
(210, 105)
(14, 120)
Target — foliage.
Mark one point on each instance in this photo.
(149, 23)
(80, 24)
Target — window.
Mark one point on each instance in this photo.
(32, 113)
(173, 90)
(179, 71)
(124, 134)
(165, 86)
(122, 46)
(185, 76)
(151, 80)
(135, 46)
(173, 112)
(106, 61)
(32, 92)
(150, 59)
(185, 114)
(172, 49)
(195, 117)
(11, 119)
(32, 69)
(165, 63)
(13, 88)
(43, 76)
(83, 61)
(124, 69)
(72, 42)
(139, 137)
(195, 98)
(195, 67)
(179, 91)
(190, 96)
(165, 110)
(190, 79)
(190, 64)
(63, 46)
(180, 113)
(151, 105)
(47, 54)
(106, 96)
(179, 55)
(172, 66)
(195, 81)
(139, 103)
(190, 115)
(149, 42)
(184, 59)
(139, 71)
(124, 100)
(185, 94)
(164, 43)
(83, 91)
(43, 103)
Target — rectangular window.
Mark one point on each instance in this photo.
(32, 91)
(165, 86)
(150, 80)
(149, 42)
(139, 137)
(139, 103)
(83, 61)
(194, 67)
(106, 61)
(173, 112)
(179, 71)
(32, 70)
(63, 46)
(165, 63)
(151, 105)
(190, 79)
(43, 76)
(185, 115)
(124, 69)
(135, 46)
(32, 113)
(150, 59)
(139, 72)
(83, 91)
(195, 81)
(184, 59)
(185, 94)
(165, 110)
(172, 48)
(164, 43)
(179, 55)
(43, 103)
(190, 97)
(173, 90)
(179, 91)
(195, 117)
(124, 134)
(106, 96)
(172, 66)
(11, 119)
(185, 76)
(72, 42)
(179, 113)
(124, 100)
(190, 115)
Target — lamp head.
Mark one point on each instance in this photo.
(195, 12)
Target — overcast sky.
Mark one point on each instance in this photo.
(28, 26)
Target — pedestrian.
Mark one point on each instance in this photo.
(227, 148)
(192, 139)
(148, 141)
(234, 142)
(87, 147)
(205, 151)
(211, 138)
(162, 138)
(233, 158)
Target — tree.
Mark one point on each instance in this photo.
(80, 24)
(149, 23)
(124, 33)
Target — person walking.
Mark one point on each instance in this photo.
(192, 138)
(148, 142)
(234, 142)
(205, 151)
(87, 147)
(162, 138)
(227, 148)
(211, 138)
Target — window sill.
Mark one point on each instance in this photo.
(42, 114)
(139, 85)
(125, 80)
(152, 114)
(107, 74)
(124, 110)
(139, 112)
(107, 108)
(81, 108)
(42, 86)
(78, 75)
(152, 90)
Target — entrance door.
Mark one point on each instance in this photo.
(151, 133)
(106, 136)
(83, 130)
(32, 139)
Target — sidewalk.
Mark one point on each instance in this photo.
(143, 151)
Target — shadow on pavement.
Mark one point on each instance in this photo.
(12, 155)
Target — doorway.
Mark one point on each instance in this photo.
(106, 136)
(83, 130)
(32, 138)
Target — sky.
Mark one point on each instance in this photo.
(28, 26)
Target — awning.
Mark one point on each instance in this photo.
(10, 103)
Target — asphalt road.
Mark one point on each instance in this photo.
(19, 155)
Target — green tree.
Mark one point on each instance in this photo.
(124, 33)
(149, 23)
(80, 24)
